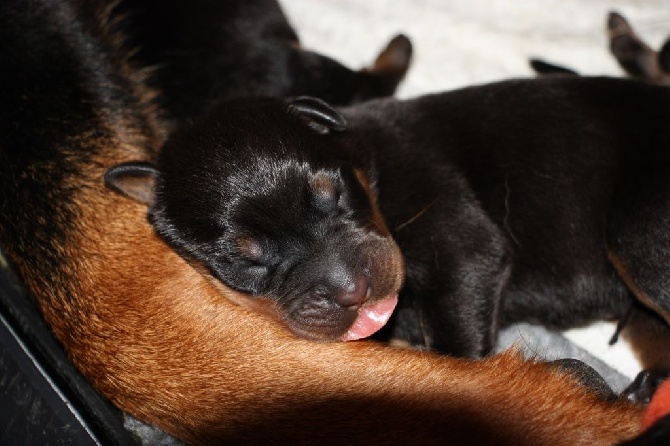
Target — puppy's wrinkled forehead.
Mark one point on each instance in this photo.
(255, 157)
(275, 192)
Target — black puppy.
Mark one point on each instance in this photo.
(542, 200)
(289, 224)
(205, 51)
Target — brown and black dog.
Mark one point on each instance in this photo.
(532, 200)
(159, 340)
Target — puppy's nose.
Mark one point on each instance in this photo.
(355, 293)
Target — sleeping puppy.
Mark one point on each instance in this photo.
(228, 49)
(162, 344)
(296, 230)
(543, 200)
(205, 51)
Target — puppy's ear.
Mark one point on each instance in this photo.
(633, 55)
(389, 69)
(319, 115)
(544, 68)
(394, 60)
(135, 180)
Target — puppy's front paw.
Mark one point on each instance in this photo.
(586, 375)
(643, 387)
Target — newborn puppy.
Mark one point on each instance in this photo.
(271, 212)
(543, 200)
(206, 51)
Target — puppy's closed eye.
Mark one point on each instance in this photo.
(250, 249)
(248, 269)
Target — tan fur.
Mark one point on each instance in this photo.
(166, 345)
(377, 217)
(157, 339)
(643, 297)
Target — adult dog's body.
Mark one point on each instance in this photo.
(165, 345)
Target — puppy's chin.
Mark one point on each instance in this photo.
(345, 325)
(350, 325)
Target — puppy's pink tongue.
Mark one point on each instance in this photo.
(371, 317)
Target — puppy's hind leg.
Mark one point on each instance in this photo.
(638, 232)
(649, 336)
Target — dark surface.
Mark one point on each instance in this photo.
(657, 435)
(43, 399)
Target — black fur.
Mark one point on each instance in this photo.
(501, 198)
(587, 376)
(43, 44)
(291, 223)
(644, 386)
(69, 108)
(545, 68)
(519, 183)
(205, 51)
(247, 47)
